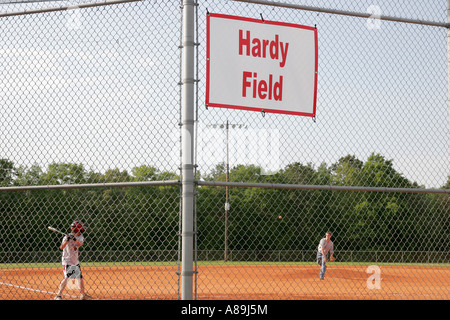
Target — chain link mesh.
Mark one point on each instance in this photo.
(382, 121)
(90, 97)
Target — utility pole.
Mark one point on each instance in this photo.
(227, 177)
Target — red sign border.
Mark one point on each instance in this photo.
(285, 24)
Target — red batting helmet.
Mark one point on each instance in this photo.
(77, 226)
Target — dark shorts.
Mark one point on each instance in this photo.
(72, 272)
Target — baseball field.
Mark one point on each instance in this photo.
(247, 281)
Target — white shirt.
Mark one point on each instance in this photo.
(70, 251)
(327, 246)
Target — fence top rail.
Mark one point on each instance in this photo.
(64, 8)
(223, 184)
(93, 185)
(347, 13)
(319, 187)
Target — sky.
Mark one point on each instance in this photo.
(101, 87)
(382, 88)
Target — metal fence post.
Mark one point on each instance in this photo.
(187, 140)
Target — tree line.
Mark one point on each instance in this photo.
(136, 219)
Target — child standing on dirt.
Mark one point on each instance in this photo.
(71, 265)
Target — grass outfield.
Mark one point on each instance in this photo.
(213, 263)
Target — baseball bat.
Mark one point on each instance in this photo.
(56, 230)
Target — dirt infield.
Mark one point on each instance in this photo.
(238, 282)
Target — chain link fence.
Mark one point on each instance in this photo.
(91, 116)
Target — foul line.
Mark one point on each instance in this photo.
(31, 289)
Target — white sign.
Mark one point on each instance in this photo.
(261, 65)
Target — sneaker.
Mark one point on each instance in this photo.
(321, 278)
(86, 297)
(57, 298)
